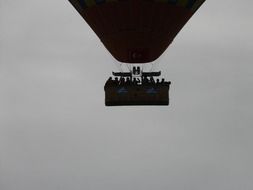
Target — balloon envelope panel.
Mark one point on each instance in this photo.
(136, 31)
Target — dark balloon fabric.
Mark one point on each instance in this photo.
(136, 31)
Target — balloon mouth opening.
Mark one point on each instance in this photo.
(138, 55)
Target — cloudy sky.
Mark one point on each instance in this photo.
(56, 133)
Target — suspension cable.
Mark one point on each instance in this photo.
(152, 66)
(118, 65)
(129, 67)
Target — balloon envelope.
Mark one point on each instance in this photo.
(136, 31)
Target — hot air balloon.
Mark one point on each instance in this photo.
(136, 32)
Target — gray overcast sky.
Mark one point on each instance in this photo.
(56, 133)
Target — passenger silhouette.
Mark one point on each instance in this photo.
(109, 82)
(122, 81)
(128, 81)
(135, 81)
(116, 81)
(152, 80)
(167, 83)
(144, 80)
